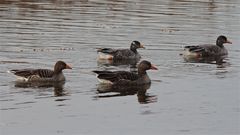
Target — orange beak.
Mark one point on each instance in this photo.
(153, 67)
(68, 67)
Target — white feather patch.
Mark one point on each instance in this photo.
(104, 81)
(11, 72)
(187, 53)
(104, 56)
(19, 78)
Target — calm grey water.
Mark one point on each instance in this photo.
(183, 99)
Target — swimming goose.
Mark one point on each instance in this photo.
(120, 54)
(42, 75)
(208, 50)
(125, 77)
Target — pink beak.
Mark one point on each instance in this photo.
(68, 67)
(153, 67)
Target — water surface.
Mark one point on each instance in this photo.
(184, 98)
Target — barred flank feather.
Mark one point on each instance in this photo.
(44, 73)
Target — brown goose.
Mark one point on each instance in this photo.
(207, 50)
(120, 54)
(127, 78)
(42, 75)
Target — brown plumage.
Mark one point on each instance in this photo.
(32, 75)
(127, 78)
(120, 54)
(208, 50)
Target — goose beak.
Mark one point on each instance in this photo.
(142, 46)
(153, 67)
(229, 42)
(68, 67)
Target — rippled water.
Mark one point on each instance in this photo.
(184, 98)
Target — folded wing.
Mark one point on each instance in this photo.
(116, 76)
(43, 73)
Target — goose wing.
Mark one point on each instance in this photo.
(116, 76)
(43, 73)
(206, 50)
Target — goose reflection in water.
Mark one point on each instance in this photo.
(107, 91)
(131, 63)
(219, 60)
(58, 86)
